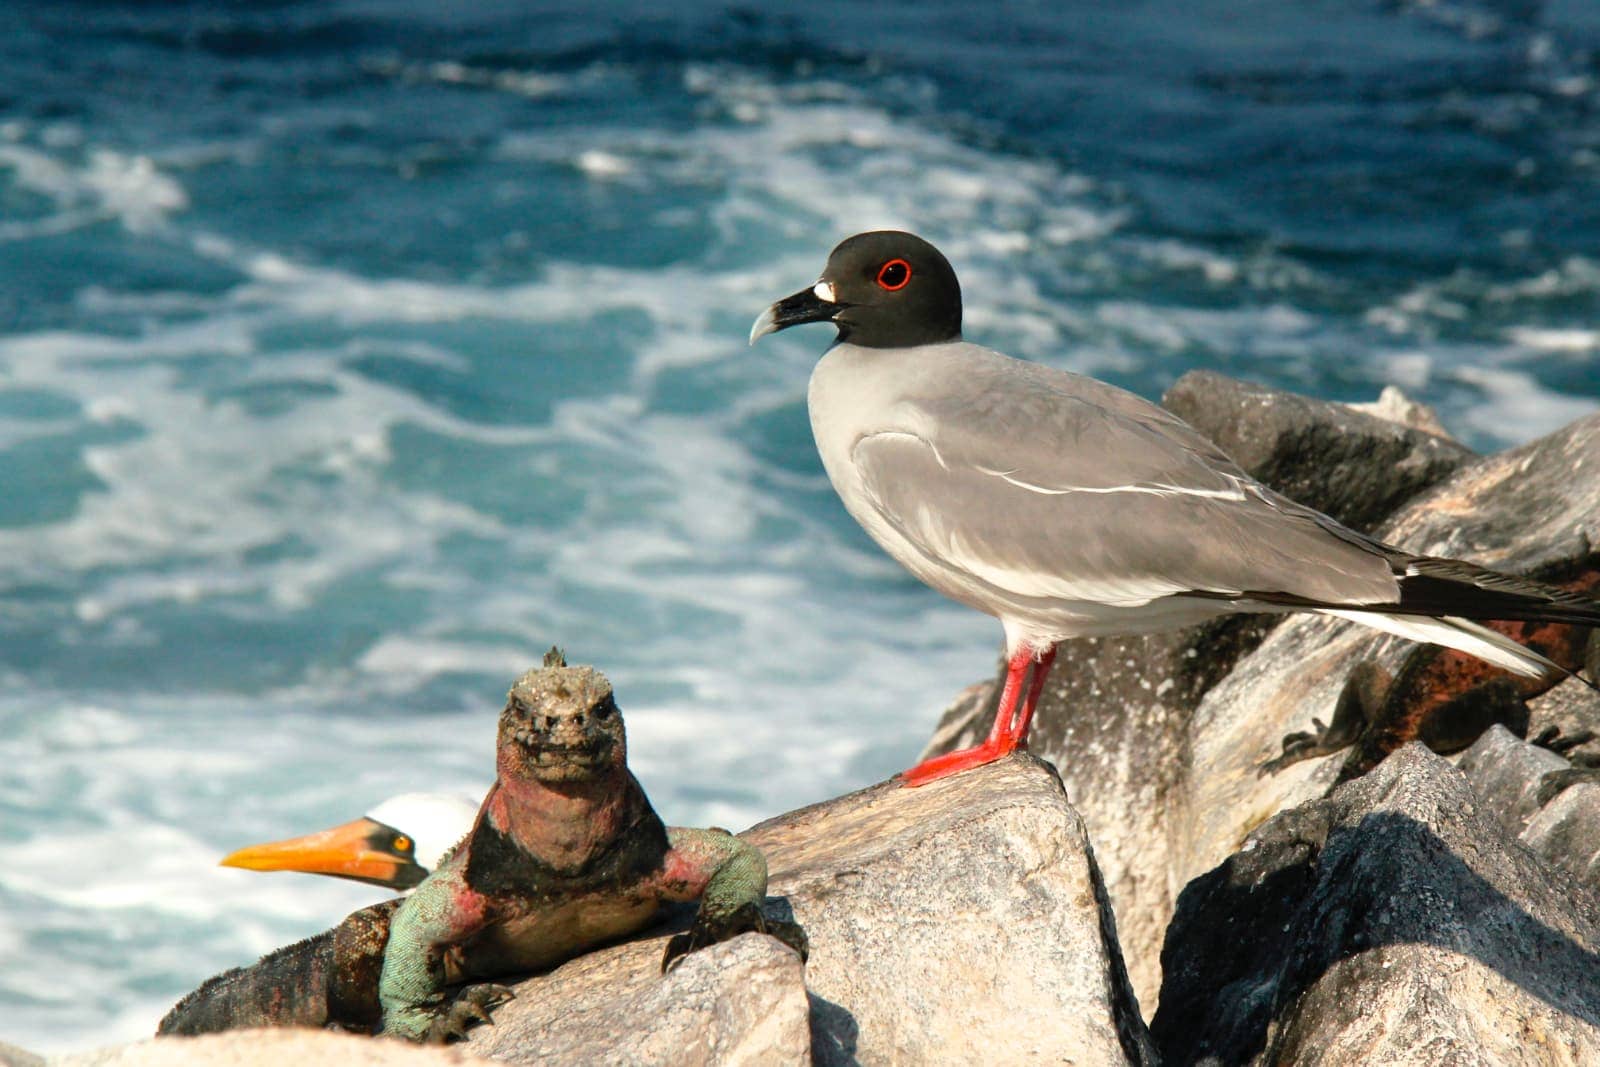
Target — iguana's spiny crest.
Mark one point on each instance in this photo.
(561, 724)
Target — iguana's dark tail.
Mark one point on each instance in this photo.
(288, 987)
(327, 980)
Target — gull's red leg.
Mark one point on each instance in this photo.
(1002, 736)
(1019, 733)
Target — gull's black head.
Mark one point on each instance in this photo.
(883, 289)
(561, 724)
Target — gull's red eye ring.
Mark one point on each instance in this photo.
(894, 275)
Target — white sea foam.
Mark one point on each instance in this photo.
(104, 184)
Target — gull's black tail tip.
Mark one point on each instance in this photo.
(1438, 587)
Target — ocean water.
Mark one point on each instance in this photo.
(353, 353)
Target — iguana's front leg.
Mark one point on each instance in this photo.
(729, 876)
(412, 987)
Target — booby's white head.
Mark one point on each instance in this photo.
(395, 845)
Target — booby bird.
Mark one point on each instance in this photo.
(1066, 507)
(395, 845)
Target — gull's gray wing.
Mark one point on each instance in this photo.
(1045, 484)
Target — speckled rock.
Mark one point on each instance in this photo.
(1354, 465)
(1393, 922)
(738, 1003)
(929, 909)
(1565, 833)
(1571, 711)
(271, 1048)
(1505, 771)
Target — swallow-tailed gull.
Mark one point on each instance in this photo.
(1066, 507)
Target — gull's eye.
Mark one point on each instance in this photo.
(894, 275)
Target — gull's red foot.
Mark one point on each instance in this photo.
(931, 770)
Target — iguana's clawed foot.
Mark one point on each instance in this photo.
(1363, 694)
(1555, 783)
(1552, 738)
(471, 1006)
(1301, 745)
(747, 918)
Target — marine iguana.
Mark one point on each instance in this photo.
(1446, 699)
(566, 854)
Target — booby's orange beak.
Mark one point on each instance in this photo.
(364, 850)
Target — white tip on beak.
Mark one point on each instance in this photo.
(766, 322)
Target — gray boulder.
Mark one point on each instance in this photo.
(961, 922)
(271, 1048)
(1394, 922)
(741, 1002)
(1506, 772)
(1348, 463)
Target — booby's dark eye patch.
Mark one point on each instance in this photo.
(894, 275)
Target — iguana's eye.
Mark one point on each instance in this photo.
(604, 709)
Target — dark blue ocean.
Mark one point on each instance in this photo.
(351, 354)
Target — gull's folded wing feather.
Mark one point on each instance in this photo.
(1118, 503)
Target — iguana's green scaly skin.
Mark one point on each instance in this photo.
(566, 854)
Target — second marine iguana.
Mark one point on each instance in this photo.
(1446, 699)
(566, 854)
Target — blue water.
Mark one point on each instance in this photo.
(353, 353)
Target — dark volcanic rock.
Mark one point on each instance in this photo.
(1344, 462)
(1390, 923)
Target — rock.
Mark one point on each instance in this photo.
(742, 1002)
(1540, 799)
(1394, 406)
(1570, 712)
(1393, 922)
(1505, 772)
(961, 922)
(12, 1056)
(1355, 466)
(1528, 510)
(271, 1048)
(1566, 833)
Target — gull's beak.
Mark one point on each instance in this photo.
(815, 304)
(364, 850)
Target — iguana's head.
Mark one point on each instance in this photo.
(561, 724)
